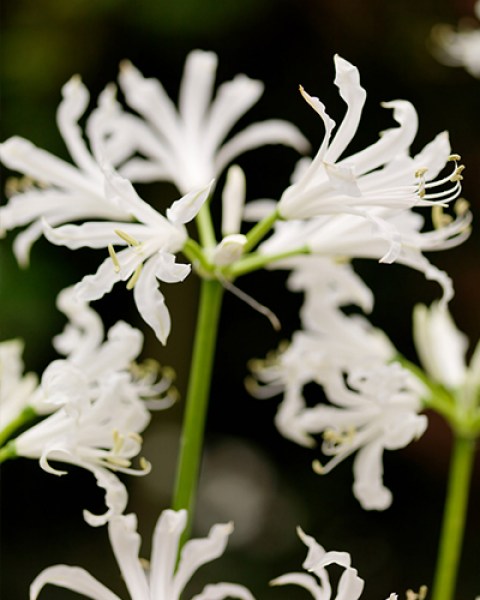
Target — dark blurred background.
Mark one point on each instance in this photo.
(251, 475)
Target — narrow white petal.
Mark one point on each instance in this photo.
(168, 270)
(348, 81)
(150, 301)
(21, 155)
(74, 104)
(92, 234)
(234, 98)
(94, 287)
(196, 92)
(302, 579)
(184, 210)
(116, 496)
(233, 200)
(368, 485)
(219, 591)
(440, 345)
(197, 552)
(350, 586)
(166, 537)
(122, 530)
(148, 97)
(392, 142)
(75, 579)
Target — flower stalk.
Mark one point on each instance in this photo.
(27, 415)
(454, 518)
(188, 466)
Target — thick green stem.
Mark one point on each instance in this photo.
(454, 517)
(197, 398)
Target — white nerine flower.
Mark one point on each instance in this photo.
(360, 206)
(350, 585)
(151, 243)
(382, 175)
(459, 48)
(442, 351)
(163, 579)
(373, 404)
(186, 146)
(375, 409)
(54, 189)
(97, 403)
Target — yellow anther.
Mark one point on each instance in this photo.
(439, 218)
(118, 440)
(131, 241)
(136, 437)
(461, 207)
(454, 157)
(420, 172)
(457, 176)
(144, 464)
(144, 563)
(119, 461)
(318, 467)
(113, 256)
(134, 278)
(421, 595)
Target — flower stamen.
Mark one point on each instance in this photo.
(134, 278)
(113, 256)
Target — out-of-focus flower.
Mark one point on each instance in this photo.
(461, 47)
(186, 146)
(375, 409)
(57, 190)
(99, 403)
(16, 388)
(442, 351)
(373, 404)
(163, 579)
(350, 585)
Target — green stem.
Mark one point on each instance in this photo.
(8, 451)
(188, 467)
(260, 230)
(454, 517)
(26, 415)
(255, 261)
(206, 231)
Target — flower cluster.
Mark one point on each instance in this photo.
(93, 405)
(97, 399)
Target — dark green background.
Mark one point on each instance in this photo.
(283, 43)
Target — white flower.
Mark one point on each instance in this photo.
(328, 342)
(16, 388)
(360, 206)
(442, 351)
(185, 145)
(350, 585)
(151, 243)
(373, 404)
(98, 403)
(382, 175)
(164, 579)
(54, 189)
(459, 48)
(375, 409)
